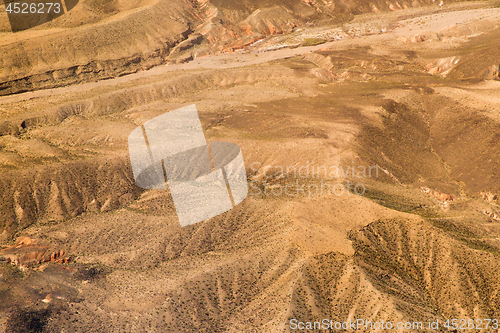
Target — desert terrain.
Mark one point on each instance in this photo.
(395, 102)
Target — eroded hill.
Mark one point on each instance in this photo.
(410, 95)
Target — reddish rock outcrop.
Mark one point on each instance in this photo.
(26, 252)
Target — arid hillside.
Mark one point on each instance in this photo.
(369, 132)
(103, 39)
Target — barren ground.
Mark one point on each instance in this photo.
(411, 89)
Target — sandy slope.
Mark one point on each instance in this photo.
(396, 252)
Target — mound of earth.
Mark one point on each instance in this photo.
(371, 158)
